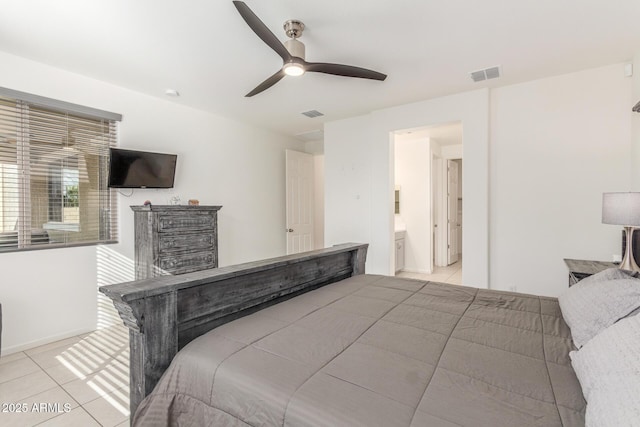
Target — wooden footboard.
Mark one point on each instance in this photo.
(165, 313)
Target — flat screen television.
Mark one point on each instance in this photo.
(141, 169)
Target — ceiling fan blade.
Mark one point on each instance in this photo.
(344, 70)
(267, 83)
(261, 30)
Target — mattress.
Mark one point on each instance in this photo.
(378, 351)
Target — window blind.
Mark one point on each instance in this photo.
(54, 163)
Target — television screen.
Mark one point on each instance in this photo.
(141, 169)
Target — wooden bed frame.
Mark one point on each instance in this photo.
(165, 313)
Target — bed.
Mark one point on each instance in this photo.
(309, 340)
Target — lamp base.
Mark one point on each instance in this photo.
(628, 262)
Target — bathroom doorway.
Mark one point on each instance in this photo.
(428, 218)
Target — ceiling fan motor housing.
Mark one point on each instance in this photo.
(293, 28)
(295, 48)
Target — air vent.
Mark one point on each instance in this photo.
(486, 74)
(312, 113)
(492, 73)
(478, 76)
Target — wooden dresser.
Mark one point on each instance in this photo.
(175, 239)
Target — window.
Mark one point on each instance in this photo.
(54, 162)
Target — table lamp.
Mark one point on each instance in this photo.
(623, 209)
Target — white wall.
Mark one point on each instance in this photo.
(318, 205)
(635, 126)
(556, 145)
(413, 175)
(50, 294)
(359, 177)
(317, 149)
(348, 184)
(452, 151)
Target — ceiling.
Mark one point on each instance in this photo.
(204, 49)
(444, 134)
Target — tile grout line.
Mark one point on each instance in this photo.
(58, 416)
(31, 373)
(25, 375)
(57, 385)
(94, 350)
(65, 390)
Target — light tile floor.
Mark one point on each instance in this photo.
(81, 381)
(450, 274)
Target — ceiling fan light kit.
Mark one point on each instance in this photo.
(293, 69)
(292, 53)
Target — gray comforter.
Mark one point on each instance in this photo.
(378, 351)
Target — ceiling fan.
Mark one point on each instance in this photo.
(292, 53)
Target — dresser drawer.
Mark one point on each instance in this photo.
(187, 262)
(197, 222)
(185, 242)
(175, 239)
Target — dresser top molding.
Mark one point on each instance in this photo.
(151, 208)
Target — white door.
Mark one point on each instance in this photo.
(299, 181)
(452, 211)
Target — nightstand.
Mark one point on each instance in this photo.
(581, 268)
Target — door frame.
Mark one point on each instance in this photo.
(452, 217)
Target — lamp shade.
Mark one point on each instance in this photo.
(621, 209)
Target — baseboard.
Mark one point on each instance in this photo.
(37, 343)
(408, 270)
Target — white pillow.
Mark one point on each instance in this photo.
(599, 301)
(608, 368)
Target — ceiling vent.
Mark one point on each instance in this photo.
(486, 74)
(312, 113)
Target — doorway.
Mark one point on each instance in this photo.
(299, 177)
(428, 174)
